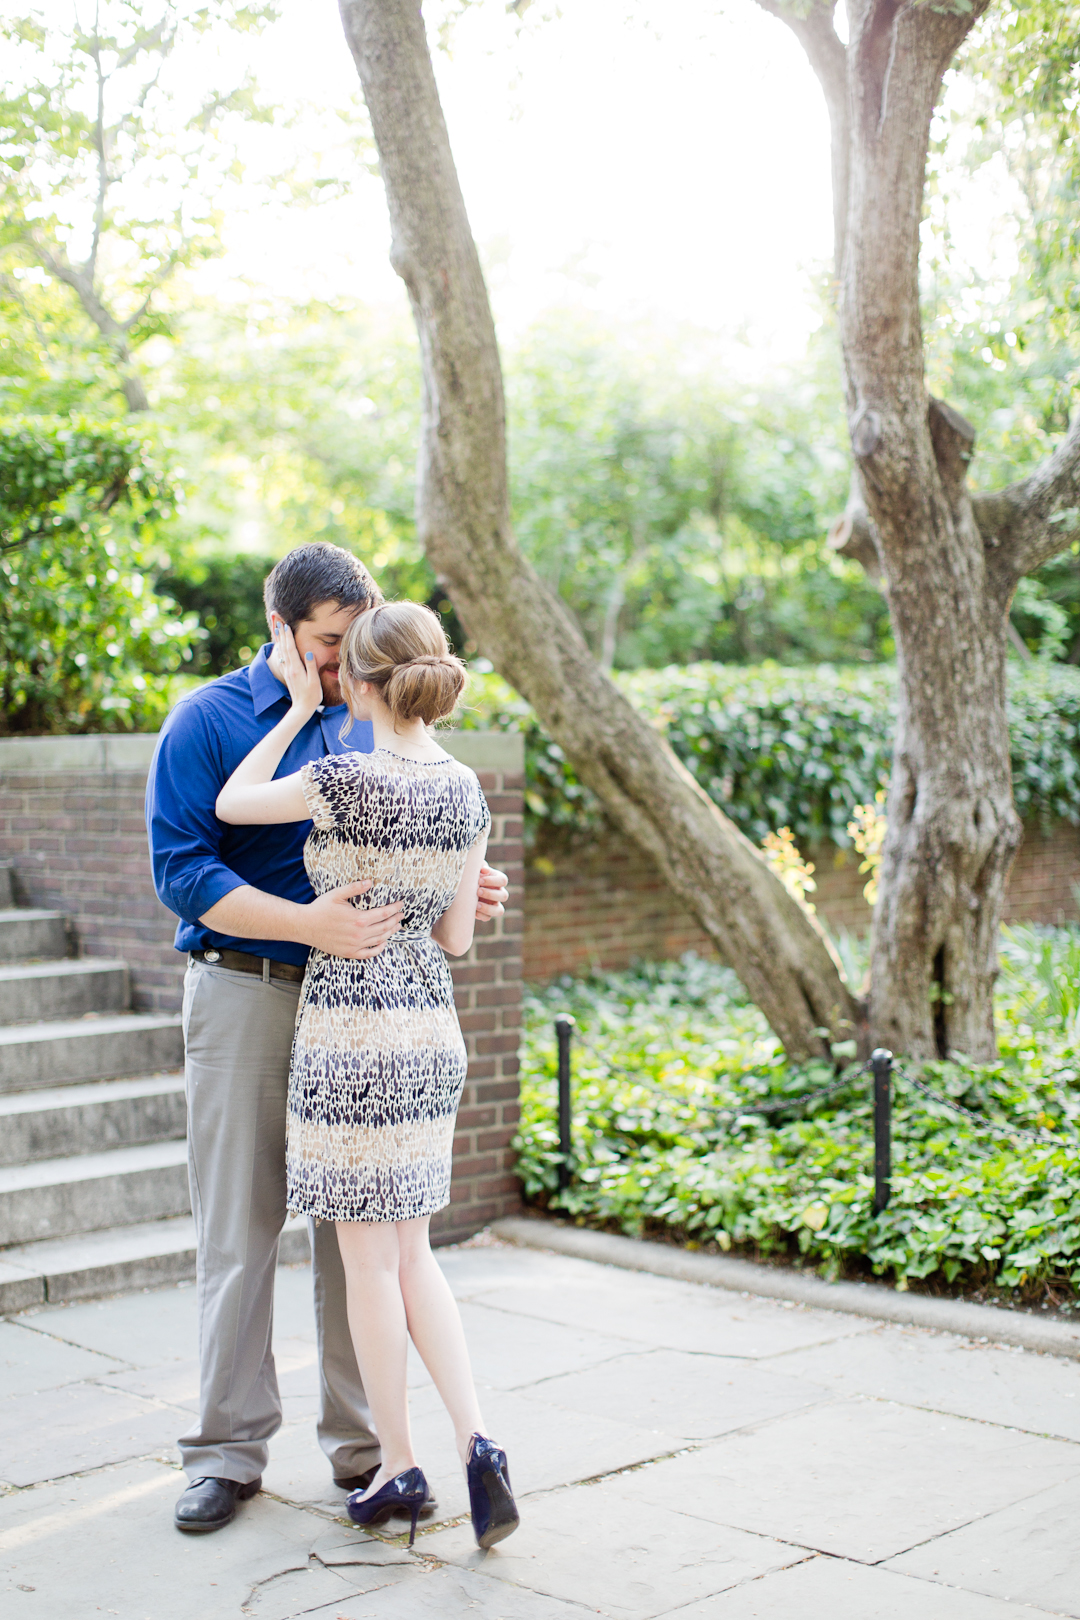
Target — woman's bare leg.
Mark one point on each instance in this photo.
(435, 1329)
(370, 1254)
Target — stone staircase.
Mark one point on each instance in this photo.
(93, 1158)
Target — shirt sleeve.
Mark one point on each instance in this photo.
(185, 834)
(333, 788)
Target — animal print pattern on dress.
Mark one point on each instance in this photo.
(378, 1062)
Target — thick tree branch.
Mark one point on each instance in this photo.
(100, 147)
(853, 534)
(156, 284)
(828, 58)
(107, 324)
(463, 519)
(1028, 522)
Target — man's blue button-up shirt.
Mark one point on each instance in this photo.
(197, 859)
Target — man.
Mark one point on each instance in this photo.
(248, 917)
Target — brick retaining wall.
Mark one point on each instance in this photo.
(604, 904)
(71, 824)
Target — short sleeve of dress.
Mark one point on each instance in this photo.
(333, 787)
(481, 815)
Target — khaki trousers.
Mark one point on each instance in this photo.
(238, 1033)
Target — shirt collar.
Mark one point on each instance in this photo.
(266, 689)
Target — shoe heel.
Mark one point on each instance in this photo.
(415, 1510)
(491, 1501)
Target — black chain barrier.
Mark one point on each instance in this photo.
(1046, 1138)
(881, 1066)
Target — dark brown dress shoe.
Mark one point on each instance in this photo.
(208, 1504)
(356, 1482)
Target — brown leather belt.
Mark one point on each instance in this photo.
(264, 967)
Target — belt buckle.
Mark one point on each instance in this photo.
(211, 956)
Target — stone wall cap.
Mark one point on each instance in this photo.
(133, 751)
(485, 750)
(122, 752)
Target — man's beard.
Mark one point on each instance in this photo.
(331, 689)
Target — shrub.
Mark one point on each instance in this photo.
(225, 593)
(660, 1050)
(87, 644)
(795, 748)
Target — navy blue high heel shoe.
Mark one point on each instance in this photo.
(494, 1511)
(407, 1491)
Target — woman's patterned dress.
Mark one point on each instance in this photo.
(378, 1061)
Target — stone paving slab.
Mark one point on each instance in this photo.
(449, 1594)
(299, 1472)
(602, 1549)
(175, 1382)
(860, 1479)
(1029, 1553)
(471, 1271)
(108, 1538)
(31, 1362)
(549, 1446)
(779, 1434)
(948, 1374)
(139, 1330)
(694, 1396)
(507, 1354)
(299, 1591)
(78, 1427)
(669, 1315)
(836, 1589)
(1046, 1334)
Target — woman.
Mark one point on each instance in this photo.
(378, 1060)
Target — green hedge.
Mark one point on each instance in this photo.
(87, 645)
(792, 747)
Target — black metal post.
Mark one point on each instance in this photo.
(563, 1026)
(881, 1061)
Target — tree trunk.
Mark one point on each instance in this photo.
(950, 561)
(774, 945)
(952, 829)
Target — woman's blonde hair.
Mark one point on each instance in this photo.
(402, 650)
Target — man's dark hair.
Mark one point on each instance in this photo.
(316, 573)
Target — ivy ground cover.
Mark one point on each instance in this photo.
(667, 1058)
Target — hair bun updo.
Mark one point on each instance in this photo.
(401, 649)
(425, 688)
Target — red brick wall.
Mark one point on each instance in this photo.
(77, 841)
(488, 986)
(603, 905)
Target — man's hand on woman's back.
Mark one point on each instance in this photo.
(342, 929)
(331, 923)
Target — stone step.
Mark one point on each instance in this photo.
(143, 1256)
(91, 1118)
(33, 991)
(56, 1198)
(90, 1048)
(27, 934)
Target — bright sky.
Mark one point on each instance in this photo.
(638, 158)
